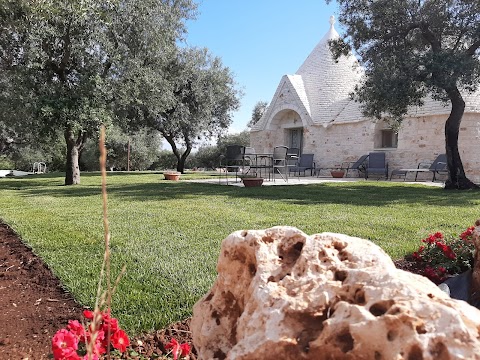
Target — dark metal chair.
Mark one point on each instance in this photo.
(233, 160)
(358, 165)
(305, 162)
(438, 166)
(376, 165)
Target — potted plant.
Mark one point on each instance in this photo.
(337, 172)
(172, 175)
(251, 180)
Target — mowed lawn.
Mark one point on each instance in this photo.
(168, 234)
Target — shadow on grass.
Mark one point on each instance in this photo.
(355, 194)
(29, 181)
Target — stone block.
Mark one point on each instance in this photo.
(281, 294)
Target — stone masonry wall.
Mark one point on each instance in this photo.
(419, 140)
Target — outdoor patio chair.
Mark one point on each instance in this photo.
(234, 160)
(438, 166)
(376, 165)
(39, 167)
(280, 162)
(358, 165)
(293, 155)
(305, 162)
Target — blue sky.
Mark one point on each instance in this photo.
(260, 41)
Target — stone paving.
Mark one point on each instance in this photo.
(306, 181)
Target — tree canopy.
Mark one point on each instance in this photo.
(410, 50)
(70, 65)
(257, 112)
(204, 95)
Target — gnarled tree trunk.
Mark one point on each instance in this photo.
(456, 174)
(74, 147)
(181, 158)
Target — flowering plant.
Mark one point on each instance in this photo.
(102, 331)
(178, 349)
(444, 257)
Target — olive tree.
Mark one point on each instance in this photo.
(203, 98)
(411, 49)
(71, 63)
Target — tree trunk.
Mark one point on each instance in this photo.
(456, 174)
(181, 164)
(182, 159)
(74, 147)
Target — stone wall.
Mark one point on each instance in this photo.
(419, 140)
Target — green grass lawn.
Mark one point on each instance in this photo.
(168, 234)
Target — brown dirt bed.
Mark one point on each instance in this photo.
(35, 306)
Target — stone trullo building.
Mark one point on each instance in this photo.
(311, 110)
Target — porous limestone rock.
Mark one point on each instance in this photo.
(281, 294)
(475, 286)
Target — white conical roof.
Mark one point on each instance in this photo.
(322, 88)
(328, 83)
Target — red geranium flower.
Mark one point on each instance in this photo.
(185, 349)
(435, 275)
(449, 252)
(120, 340)
(417, 256)
(466, 235)
(77, 329)
(65, 345)
(88, 314)
(109, 323)
(177, 349)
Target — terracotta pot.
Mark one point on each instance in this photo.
(251, 182)
(337, 173)
(172, 176)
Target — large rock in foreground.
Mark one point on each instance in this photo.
(281, 294)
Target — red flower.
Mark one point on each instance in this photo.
(93, 357)
(417, 256)
(77, 329)
(449, 252)
(465, 236)
(88, 314)
(109, 323)
(185, 349)
(177, 349)
(438, 235)
(435, 275)
(120, 340)
(175, 346)
(98, 346)
(65, 345)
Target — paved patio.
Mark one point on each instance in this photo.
(308, 180)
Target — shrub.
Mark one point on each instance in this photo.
(6, 163)
(446, 257)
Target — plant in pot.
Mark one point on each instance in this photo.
(337, 172)
(172, 175)
(251, 180)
